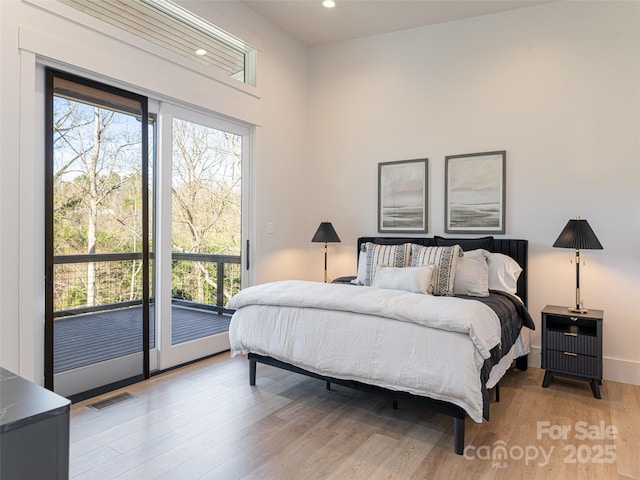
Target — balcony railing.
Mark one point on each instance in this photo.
(98, 282)
(200, 287)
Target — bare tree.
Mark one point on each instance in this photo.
(97, 197)
(95, 157)
(206, 193)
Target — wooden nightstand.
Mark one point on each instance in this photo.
(572, 345)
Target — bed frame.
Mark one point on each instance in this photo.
(516, 249)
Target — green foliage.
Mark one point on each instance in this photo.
(98, 204)
(74, 297)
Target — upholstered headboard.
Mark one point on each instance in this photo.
(514, 248)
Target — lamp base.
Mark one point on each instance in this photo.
(577, 310)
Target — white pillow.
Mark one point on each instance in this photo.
(503, 273)
(472, 274)
(362, 268)
(411, 279)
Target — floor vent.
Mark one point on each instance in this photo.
(111, 401)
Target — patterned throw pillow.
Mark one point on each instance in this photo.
(388, 255)
(445, 259)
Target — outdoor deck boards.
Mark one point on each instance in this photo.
(81, 340)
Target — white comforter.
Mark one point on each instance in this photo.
(431, 346)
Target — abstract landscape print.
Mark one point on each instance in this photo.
(402, 196)
(475, 192)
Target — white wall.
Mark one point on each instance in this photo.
(31, 34)
(557, 86)
(281, 169)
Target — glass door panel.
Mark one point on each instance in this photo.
(206, 234)
(97, 295)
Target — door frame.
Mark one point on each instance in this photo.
(173, 355)
(144, 356)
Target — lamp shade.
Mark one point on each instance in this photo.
(325, 233)
(578, 234)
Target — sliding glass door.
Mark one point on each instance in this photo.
(202, 232)
(97, 295)
(146, 234)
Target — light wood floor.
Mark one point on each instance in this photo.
(205, 421)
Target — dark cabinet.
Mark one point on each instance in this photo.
(34, 431)
(572, 345)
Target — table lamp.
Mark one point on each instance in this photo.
(325, 233)
(578, 234)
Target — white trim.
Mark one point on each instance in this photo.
(203, 117)
(31, 244)
(97, 375)
(103, 28)
(163, 245)
(249, 230)
(171, 355)
(619, 370)
(79, 59)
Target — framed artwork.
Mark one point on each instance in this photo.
(475, 192)
(402, 196)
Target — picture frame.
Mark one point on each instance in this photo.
(402, 196)
(475, 192)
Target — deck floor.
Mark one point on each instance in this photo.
(82, 340)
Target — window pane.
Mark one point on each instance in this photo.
(175, 28)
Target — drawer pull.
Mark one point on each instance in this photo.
(570, 334)
(574, 319)
(571, 354)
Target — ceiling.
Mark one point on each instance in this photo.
(312, 24)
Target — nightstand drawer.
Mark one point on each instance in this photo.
(571, 321)
(573, 363)
(572, 341)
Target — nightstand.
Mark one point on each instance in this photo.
(572, 345)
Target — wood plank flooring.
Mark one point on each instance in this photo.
(204, 421)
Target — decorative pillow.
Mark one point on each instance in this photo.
(503, 273)
(411, 279)
(389, 255)
(472, 274)
(390, 241)
(362, 268)
(466, 244)
(445, 260)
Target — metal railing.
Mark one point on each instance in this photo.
(202, 291)
(98, 282)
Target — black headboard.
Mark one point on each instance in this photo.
(514, 248)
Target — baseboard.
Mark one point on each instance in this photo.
(618, 370)
(614, 369)
(534, 357)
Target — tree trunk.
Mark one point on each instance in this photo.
(93, 210)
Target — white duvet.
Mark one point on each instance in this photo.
(425, 345)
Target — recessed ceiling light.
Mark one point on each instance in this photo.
(201, 51)
(328, 3)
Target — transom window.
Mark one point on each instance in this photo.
(175, 28)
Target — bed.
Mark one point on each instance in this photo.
(445, 340)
